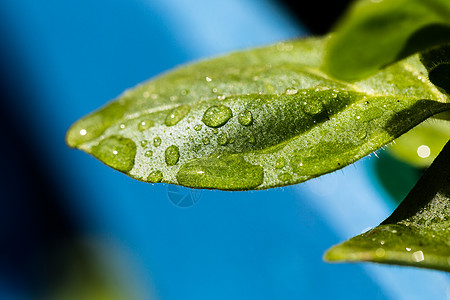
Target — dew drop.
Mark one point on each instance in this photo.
(171, 155)
(116, 152)
(227, 172)
(245, 117)
(291, 91)
(83, 132)
(208, 79)
(155, 176)
(222, 139)
(185, 92)
(157, 141)
(145, 124)
(148, 153)
(198, 127)
(144, 143)
(362, 134)
(217, 115)
(122, 126)
(176, 115)
(313, 107)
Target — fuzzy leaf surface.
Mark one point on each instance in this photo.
(418, 231)
(255, 119)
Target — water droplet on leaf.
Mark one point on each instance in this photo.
(171, 155)
(176, 115)
(155, 176)
(217, 116)
(222, 139)
(245, 117)
(157, 141)
(145, 124)
(116, 152)
(291, 91)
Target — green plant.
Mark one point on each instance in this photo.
(286, 113)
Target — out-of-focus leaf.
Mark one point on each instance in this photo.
(420, 146)
(374, 34)
(255, 119)
(418, 231)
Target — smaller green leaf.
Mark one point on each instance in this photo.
(417, 233)
(374, 34)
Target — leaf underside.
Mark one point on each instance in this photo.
(417, 233)
(255, 119)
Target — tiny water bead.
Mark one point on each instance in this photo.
(198, 127)
(116, 152)
(291, 91)
(155, 176)
(157, 141)
(144, 143)
(145, 124)
(176, 115)
(217, 115)
(222, 139)
(226, 172)
(313, 107)
(148, 153)
(245, 117)
(171, 155)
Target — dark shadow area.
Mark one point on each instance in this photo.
(426, 37)
(318, 17)
(33, 221)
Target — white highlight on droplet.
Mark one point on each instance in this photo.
(423, 151)
(208, 79)
(83, 131)
(418, 256)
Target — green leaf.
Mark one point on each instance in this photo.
(374, 34)
(255, 119)
(421, 145)
(418, 231)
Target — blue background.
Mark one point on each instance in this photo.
(63, 59)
